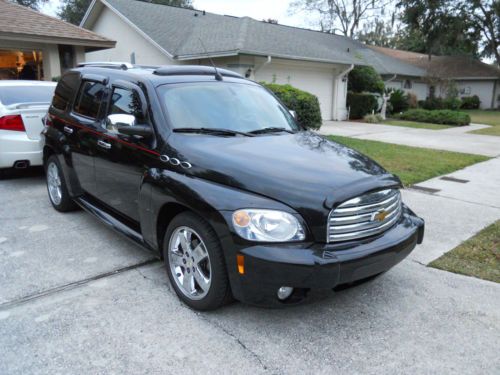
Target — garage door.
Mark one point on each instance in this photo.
(316, 81)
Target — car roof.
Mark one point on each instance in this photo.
(160, 75)
(13, 82)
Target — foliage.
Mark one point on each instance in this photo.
(73, 10)
(399, 101)
(373, 118)
(470, 102)
(378, 33)
(340, 16)
(33, 4)
(361, 104)
(306, 105)
(411, 164)
(452, 103)
(443, 116)
(365, 79)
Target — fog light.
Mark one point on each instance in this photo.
(284, 292)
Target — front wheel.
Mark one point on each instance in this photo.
(56, 186)
(195, 263)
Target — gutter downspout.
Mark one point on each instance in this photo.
(335, 92)
(259, 67)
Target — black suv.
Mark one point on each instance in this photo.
(212, 173)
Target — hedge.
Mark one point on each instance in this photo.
(365, 79)
(444, 117)
(305, 105)
(470, 102)
(361, 104)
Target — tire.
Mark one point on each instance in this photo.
(56, 186)
(189, 269)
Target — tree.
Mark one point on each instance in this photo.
(378, 33)
(33, 4)
(343, 16)
(486, 17)
(444, 27)
(73, 10)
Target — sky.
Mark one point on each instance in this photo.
(258, 9)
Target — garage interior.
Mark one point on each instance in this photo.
(21, 64)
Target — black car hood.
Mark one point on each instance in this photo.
(304, 170)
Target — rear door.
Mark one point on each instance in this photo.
(84, 130)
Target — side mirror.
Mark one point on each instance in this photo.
(126, 124)
(294, 114)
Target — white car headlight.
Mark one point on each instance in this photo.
(267, 225)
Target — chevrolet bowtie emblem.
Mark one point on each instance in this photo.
(379, 215)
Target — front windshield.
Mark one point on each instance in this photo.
(216, 105)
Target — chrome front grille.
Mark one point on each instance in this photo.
(364, 216)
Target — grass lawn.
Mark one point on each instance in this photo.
(479, 256)
(411, 164)
(492, 118)
(414, 124)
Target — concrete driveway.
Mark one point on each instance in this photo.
(76, 298)
(451, 139)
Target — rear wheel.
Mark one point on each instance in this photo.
(195, 263)
(56, 186)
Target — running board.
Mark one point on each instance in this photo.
(112, 221)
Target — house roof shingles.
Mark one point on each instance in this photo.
(21, 22)
(187, 34)
(444, 66)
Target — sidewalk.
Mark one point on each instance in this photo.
(451, 139)
(464, 202)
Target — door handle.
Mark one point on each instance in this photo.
(68, 130)
(103, 144)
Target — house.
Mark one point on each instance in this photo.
(471, 76)
(36, 46)
(317, 62)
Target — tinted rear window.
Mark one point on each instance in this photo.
(89, 99)
(65, 91)
(25, 94)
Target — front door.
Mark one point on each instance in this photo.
(121, 161)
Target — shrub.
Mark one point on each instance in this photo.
(399, 101)
(433, 103)
(373, 119)
(470, 102)
(361, 104)
(306, 105)
(365, 79)
(452, 103)
(444, 117)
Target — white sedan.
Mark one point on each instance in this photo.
(23, 105)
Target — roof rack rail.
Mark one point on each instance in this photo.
(107, 64)
(179, 70)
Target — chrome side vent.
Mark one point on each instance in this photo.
(364, 216)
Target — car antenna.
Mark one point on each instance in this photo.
(218, 76)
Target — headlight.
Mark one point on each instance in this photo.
(267, 226)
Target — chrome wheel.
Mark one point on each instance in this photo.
(189, 263)
(54, 183)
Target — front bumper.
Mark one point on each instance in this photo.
(322, 266)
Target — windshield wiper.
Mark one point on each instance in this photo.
(271, 130)
(213, 131)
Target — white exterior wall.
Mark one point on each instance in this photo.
(483, 89)
(128, 41)
(420, 89)
(318, 79)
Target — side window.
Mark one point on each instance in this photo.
(65, 91)
(89, 99)
(124, 109)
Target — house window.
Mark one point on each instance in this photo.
(407, 84)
